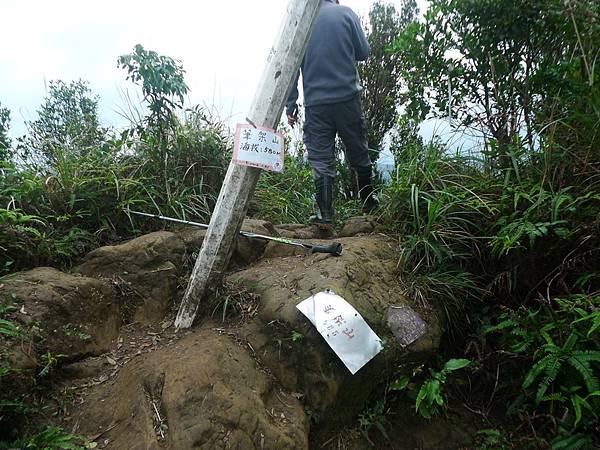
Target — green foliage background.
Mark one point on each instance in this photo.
(507, 238)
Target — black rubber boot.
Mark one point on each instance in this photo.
(324, 195)
(365, 190)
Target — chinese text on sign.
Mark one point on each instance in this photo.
(258, 147)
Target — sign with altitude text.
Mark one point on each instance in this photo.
(258, 147)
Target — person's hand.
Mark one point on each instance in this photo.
(292, 120)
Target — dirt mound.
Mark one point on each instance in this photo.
(67, 315)
(365, 276)
(204, 391)
(252, 383)
(297, 231)
(145, 269)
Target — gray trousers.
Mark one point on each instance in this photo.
(323, 122)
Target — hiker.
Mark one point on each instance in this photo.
(333, 105)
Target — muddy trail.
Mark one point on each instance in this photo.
(253, 372)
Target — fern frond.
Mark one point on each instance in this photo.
(595, 325)
(534, 372)
(546, 336)
(587, 355)
(572, 442)
(583, 367)
(521, 347)
(585, 316)
(551, 370)
(571, 341)
(556, 397)
(508, 323)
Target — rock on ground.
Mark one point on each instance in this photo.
(358, 225)
(204, 392)
(145, 269)
(71, 316)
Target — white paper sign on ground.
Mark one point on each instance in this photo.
(343, 328)
(258, 147)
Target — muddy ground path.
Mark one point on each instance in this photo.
(79, 392)
(251, 373)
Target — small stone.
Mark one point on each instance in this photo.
(358, 225)
(406, 325)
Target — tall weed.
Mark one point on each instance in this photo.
(430, 203)
(55, 213)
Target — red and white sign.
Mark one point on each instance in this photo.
(258, 147)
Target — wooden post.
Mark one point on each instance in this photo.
(282, 65)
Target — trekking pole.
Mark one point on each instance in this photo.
(335, 248)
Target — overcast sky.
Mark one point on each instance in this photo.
(221, 44)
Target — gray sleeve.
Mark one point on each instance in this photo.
(361, 46)
(291, 104)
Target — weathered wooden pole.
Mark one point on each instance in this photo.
(282, 65)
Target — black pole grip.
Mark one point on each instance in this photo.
(335, 249)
